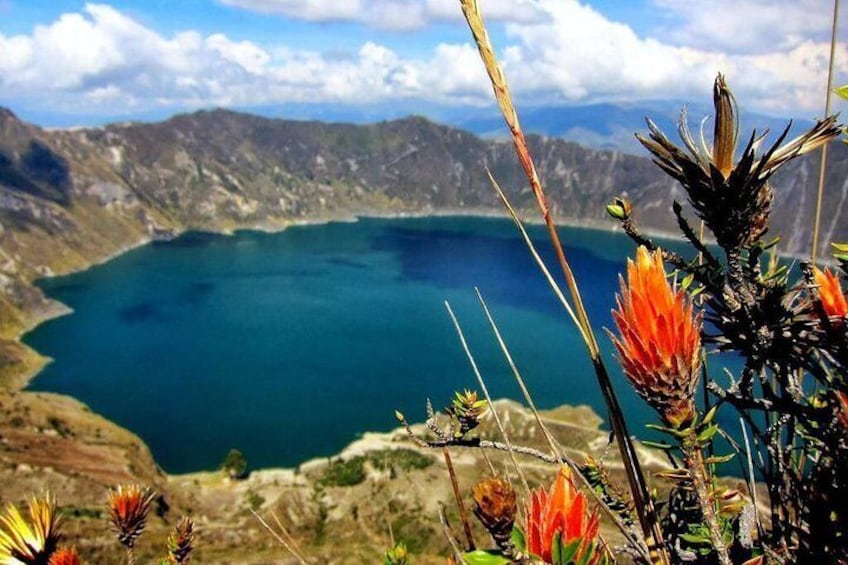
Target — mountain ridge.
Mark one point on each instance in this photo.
(70, 198)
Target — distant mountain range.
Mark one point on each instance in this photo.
(69, 198)
(599, 126)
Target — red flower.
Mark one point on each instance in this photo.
(660, 338)
(830, 293)
(562, 510)
(65, 556)
(128, 508)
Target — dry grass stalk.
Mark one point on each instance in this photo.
(538, 258)
(285, 543)
(460, 504)
(823, 165)
(485, 390)
(556, 451)
(644, 505)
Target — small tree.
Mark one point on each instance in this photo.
(235, 465)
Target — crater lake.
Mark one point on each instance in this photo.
(289, 345)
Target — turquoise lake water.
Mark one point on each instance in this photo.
(287, 346)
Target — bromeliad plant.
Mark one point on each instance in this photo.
(791, 396)
(35, 540)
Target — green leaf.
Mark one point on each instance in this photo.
(842, 91)
(480, 557)
(710, 415)
(696, 292)
(719, 459)
(587, 555)
(518, 539)
(569, 553)
(697, 539)
(657, 445)
(687, 281)
(556, 550)
(616, 212)
(707, 433)
(665, 430)
(770, 244)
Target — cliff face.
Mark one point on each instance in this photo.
(73, 197)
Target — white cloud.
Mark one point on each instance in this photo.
(754, 26)
(389, 14)
(578, 54)
(101, 61)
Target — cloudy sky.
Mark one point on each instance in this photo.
(67, 61)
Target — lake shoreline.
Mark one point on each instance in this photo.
(54, 309)
(58, 309)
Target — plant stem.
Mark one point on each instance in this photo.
(694, 461)
(639, 491)
(463, 513)
(823, 165)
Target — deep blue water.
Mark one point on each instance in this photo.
(286, 346)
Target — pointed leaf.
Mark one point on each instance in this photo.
(657, 445)
(569, 552)
(719, 459)
(556, 550)
(707, 433)
(695, 538)
(710, 415)
(518, 539)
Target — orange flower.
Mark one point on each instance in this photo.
(660, 339)
(65, 556)
(563, 511)
(830, 293)
(128, 508)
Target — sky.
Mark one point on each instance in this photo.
(66, 62)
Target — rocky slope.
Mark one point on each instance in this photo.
(341, 510)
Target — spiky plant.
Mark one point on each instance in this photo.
(33, 541)
(496, 507)
(128, 507)
(467, 409)
(181, 542)
(66, 556)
